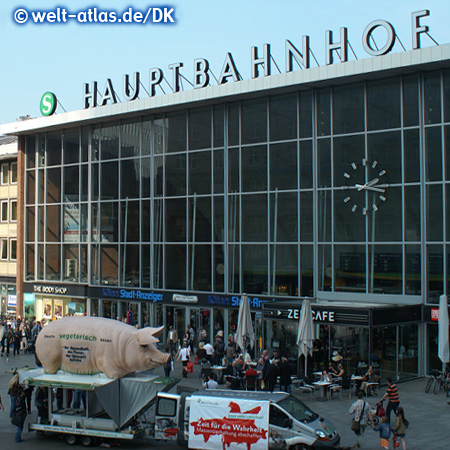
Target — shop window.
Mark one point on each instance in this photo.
(4, 213)
(13, 249)
(4, 249)
(13, 210)
(5, 173)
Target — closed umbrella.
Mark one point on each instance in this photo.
(443, 347)
(245, 334)
(305, 336)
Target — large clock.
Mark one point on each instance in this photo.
(374, 189)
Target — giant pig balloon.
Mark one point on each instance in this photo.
(89, 345)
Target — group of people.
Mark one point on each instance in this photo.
(17, 335)
(364, 416)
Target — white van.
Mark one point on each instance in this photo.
(211, 419)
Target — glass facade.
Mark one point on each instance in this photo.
(321, 193)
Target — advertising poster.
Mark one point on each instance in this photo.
(47, 308)
(221, 423)
(58, 308)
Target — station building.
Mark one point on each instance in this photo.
(330, 184)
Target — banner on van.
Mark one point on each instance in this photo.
(214, 422)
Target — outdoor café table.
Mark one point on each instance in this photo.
(353, 381)
(323, 385)
(218, 371)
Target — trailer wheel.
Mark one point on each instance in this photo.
(70, 439)
(87, 441)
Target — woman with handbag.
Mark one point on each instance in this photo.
(185, 355)
(361, 416)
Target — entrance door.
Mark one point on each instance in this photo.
(201, 322)
(179, 315)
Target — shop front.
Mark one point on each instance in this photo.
(386, 336)
(52, 302)
(207, 314)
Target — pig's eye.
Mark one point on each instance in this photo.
(144, 346)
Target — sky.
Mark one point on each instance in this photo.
(61, 57)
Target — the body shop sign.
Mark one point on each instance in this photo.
(223, 423)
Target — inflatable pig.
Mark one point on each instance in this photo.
(90, 345)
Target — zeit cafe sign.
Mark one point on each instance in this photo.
(261, 62)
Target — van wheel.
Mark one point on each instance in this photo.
(70, 439)
(87, 441)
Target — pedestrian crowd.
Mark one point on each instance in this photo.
(380, 419)
(18, 335)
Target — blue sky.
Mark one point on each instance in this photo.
(62, 57)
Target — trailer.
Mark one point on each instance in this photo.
(112, 409)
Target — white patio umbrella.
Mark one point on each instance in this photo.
(305, 336)
(443, 345)
(245, 334)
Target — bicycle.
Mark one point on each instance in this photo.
(432, 379)
(441, 381)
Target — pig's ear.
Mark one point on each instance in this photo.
(144, 337)
(157, 332)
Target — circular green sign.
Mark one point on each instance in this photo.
(48, 104)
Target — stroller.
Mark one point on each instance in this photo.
(30, 348)
(378, 413)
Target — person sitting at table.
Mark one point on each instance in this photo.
(211, 383)
(332, 370)
(250, 375)
(200, 355)
(364, 378)
(339, 368)
(239, 366)
(374, 378)
(260, 367)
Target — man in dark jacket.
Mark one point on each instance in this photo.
(271, 374)
(285, 375)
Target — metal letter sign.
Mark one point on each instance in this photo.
(48, 104)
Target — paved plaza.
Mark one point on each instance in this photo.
(428, 414)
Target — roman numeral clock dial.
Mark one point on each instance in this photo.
(375, 187)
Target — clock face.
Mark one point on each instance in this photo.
(366, 184)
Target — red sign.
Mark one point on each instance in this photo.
(435, 314)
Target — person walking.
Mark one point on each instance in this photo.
(285, 375)
(168, 366)
(185, 355)
(401, 424)
(172, 341)
(20, 414)
(361, 413)
(219, 348)
(13, 389)
(394, 399)
(385, 430)
(270, 376)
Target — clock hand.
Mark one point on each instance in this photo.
(367, 185)
(376, 189)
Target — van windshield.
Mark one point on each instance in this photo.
(297, 409)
